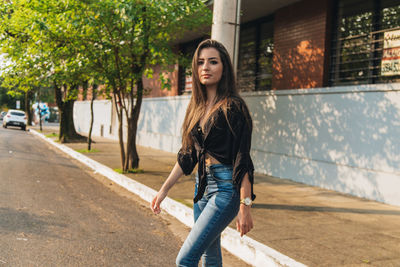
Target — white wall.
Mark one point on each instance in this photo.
(160, 122)
(343, 138)
(340, 138)
(102, 117)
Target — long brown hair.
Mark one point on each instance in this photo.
(226, 92)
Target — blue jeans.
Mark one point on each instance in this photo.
(212, 214)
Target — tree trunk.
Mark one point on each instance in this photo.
(91, 125)
(28, 109)
(60, 104)
(129, 138)
(94, 87)
(67, 128)
(120, 129)
(132, 154)
(121, 142)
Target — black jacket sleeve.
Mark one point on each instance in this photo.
(187, 160)
(242, 162)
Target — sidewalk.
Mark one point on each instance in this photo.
(313, 226)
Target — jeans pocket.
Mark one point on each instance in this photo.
(227, 199)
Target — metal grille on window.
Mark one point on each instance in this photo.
(246, 71)
(185, 78)
(255, 56)
(366, 45)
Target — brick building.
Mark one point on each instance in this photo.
(321, 79)
(306, 44)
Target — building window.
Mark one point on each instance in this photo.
(254, 71)
(366, 42)
(184, 75)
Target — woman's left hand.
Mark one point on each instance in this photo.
(244, 222)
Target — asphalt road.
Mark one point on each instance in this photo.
(54, 212)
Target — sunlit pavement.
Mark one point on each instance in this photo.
(308, 224)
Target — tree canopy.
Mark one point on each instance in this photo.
(64, 44)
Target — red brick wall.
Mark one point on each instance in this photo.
(153, 86)
(100, 95)
(300, 45)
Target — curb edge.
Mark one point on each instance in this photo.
(245, 248)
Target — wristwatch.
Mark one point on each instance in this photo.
(246, 201)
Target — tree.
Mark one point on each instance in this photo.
(111, 41)
(36, 39)
(124, 39)
(17, 86)
(8, 99)
(19, 78)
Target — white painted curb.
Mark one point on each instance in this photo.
(245, 248)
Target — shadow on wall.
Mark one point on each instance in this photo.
(340, 138)
(346, 141)
(160, 122)
(304, 64)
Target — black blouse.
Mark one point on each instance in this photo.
(229, 145)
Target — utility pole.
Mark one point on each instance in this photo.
(226, 26)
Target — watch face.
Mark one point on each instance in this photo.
(247, 201)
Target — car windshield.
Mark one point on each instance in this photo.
(17, 113)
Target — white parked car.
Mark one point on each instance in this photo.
(15, 118)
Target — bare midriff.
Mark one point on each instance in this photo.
(211, 161)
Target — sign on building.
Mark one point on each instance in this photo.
(391, 53)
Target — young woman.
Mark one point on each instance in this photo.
(216, 135)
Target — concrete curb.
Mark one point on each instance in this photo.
(245, 248)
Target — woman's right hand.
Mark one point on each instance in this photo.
(155, 204)
(171, 180)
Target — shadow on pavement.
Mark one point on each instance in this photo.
(323, 209)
